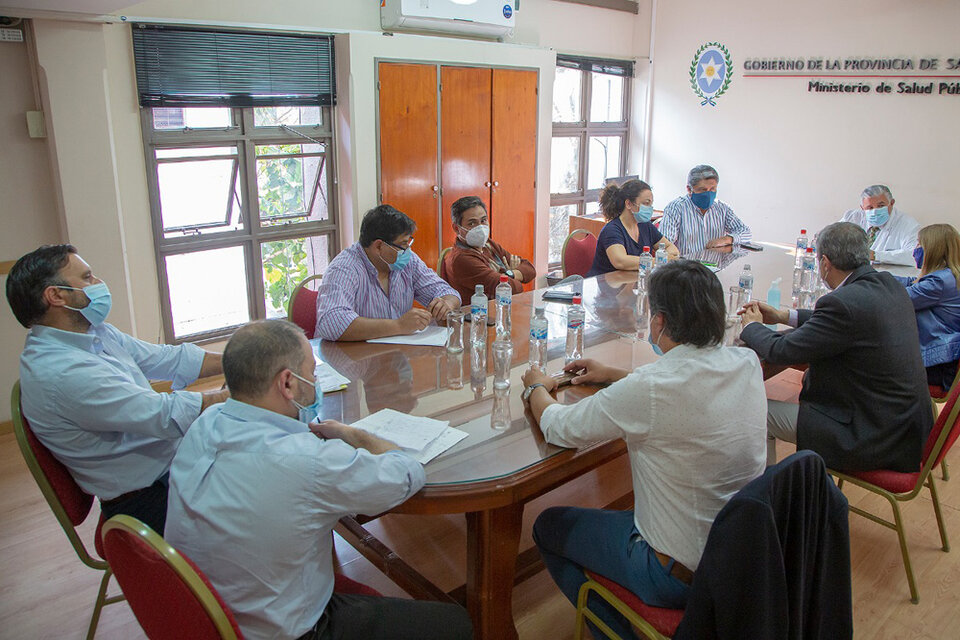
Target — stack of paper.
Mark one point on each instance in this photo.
(329, 378)
(423, 438)
(430, 336)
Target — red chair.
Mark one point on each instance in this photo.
(69, 503)
(655, 623)
(899, 487)
(302, 310)
(168, 594)
(938, 395)
(576, 256)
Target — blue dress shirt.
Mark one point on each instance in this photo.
(88, 399)
(254, 497)
(685, 226)
(937, 301)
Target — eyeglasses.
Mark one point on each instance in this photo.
(399, 249)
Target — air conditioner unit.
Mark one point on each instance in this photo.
(487, 18)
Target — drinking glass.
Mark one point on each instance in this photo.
(502, 357)
(455, 325)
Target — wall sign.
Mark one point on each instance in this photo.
(710, 72)
(860, 75)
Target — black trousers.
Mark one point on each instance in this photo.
(356, 617)
(149, 505)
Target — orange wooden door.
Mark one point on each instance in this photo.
(408, 149)
(464, 139)
(513, 205)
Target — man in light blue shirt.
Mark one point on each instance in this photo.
(699, 221)
(85, 385)
(254, 497)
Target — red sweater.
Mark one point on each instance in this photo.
(465, 267)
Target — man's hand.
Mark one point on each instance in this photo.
(534, 376)
(722, 241)
(756, 311)
(414, 320)
(592, 372)
(356, 438)
(439, 308)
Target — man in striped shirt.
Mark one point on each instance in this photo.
(698, 220)
(369, 288)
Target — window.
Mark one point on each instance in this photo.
(238, 137)
(242, 210)
(590, 124)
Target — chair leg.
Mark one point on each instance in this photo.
(936, 510)
(944, 470)
(98, 606)
(902, 535)
(581, 605)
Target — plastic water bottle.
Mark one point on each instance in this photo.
(646, 266)
(746, 284)
(661, 254)
(773, 297)
(802, 244)
(538, 340)
(575, 315)
(478, 316)
(808, 279)
(504, 294)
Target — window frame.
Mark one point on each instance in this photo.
(246, 137)
(585, 129)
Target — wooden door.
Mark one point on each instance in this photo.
(408, 149)
(464, 139)
(513, 199)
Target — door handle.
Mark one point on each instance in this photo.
(496, 183)
(487, 183)
(436, 188)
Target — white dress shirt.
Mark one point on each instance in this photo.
(895, 240)
(695, 424)
(254, 497)
(88, 399)
(690, 230)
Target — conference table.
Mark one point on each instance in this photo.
(490, 475)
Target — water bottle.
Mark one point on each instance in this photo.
(801, 247)
(478, 316)
(773, 298)
(746, 284)
(504, 294)
(808, 279)
(661, 254)
(575, 316)
(646, 265)
(538, 340)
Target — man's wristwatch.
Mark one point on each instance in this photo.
(525, 396)
(509, 273)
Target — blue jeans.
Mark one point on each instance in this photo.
(572, 539)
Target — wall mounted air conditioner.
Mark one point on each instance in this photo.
(486, 18)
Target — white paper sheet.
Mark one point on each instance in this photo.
(410, 432)
(443, 442)
(432, 336)
(330, 379)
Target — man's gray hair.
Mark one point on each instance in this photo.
(700, 173)
(257, 352)
(876, 190)
(845, 244)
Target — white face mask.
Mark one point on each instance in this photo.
(478, 236)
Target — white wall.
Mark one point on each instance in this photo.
(788, 158)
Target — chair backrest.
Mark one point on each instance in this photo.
(781, 544)
(302, 310)
(441, 270)
(576, 256)
(944, 433)
(168, 594)
(69, 503)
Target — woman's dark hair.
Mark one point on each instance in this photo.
(613, 197)
(30, 276)
(464, 204)
(384, 223)
(690, 298)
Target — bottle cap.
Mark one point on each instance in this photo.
(577, 299)
(803, 232)
(809, 249)
(503, 277)
(646, 248)
(478, 289)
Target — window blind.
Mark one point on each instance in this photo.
(597, 65)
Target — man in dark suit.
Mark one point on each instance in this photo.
(864, 404)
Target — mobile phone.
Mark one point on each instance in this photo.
(564, 378)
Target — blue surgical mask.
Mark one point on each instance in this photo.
(643, 214)
(878, 217)
(704, 200)
(656, 345)
(310, 412)
(98, 308)
(403, 258)
(918, 257)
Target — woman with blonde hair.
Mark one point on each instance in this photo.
(627, 209)
(936, 298)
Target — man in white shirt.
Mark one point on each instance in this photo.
(697, 220)
(892, 233)
(254, 497)
(85, 385)
(695, 426)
